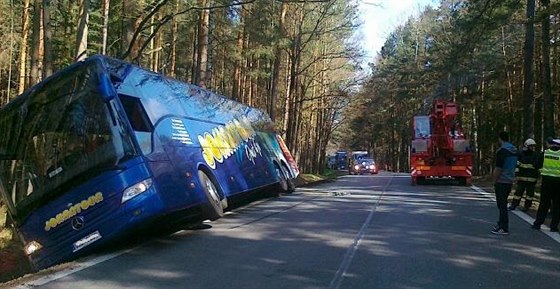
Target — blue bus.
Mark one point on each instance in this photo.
(104, 147)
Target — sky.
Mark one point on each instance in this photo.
(381, 17)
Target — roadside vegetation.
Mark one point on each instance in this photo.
(13, 262)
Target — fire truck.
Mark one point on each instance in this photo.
(439, 149)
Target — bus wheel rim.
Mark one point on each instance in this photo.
(212, 190)
(283, 182)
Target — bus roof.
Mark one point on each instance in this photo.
(163, 95)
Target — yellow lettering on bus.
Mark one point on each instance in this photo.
(73, 211)
(99, 197)
(235, 136)
(206, 152)
(214, 149)
(221, 143)
(227, 148)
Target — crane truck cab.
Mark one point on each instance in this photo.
(439, 149)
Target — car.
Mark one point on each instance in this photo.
(364, 166)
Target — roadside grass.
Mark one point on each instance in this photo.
(328, 174)
(5, 233)
(13, 263)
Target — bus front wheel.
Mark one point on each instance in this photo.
(213, 209)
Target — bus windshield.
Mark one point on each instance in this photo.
(56, 137)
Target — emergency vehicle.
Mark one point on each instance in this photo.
(439, 149)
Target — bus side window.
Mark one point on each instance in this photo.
(139, 121)
(136, 114)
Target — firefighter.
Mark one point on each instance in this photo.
(550, 183)
(526, 174)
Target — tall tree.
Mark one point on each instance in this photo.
(47, 39)
(37, 47)
(528, 79)
(547, 98)
(82, 34)
(105, 7)
(277, 62)
(202, 48)
(23, 47)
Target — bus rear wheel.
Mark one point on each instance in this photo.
(286, 185)
(213, 209)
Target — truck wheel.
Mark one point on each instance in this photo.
(213, 209)
(464, 181)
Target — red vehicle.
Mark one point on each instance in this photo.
(439, 149)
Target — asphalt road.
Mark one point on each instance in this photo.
(357, 232)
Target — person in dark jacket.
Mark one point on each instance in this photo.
(527, 174)
(549, 189)
(504, 176)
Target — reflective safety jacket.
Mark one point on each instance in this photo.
(551, 163)
(527, 166)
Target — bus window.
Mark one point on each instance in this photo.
(139, 121)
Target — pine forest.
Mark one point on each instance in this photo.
(301, 61)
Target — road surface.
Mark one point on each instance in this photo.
(355, 232)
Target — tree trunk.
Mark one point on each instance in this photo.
(36, 44)
(82, 35)
(106, 5)
(130, 23)
(236, 89)
(277, 61)
(528, 79)
(23, 48)
(547, 99)
(47, 39)
(202, 55)
(11, 36)
(175, 29)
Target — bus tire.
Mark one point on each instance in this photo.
(214, 207)
(291, 181)
(284, 184)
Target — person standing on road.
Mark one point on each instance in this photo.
(527, 173)
(550, 183)
(504, 176)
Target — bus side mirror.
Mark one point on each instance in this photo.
(106, 87)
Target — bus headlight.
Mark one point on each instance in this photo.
(136, 190)
(32, 247)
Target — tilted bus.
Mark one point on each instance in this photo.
(104, 147)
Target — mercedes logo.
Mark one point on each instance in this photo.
(78, 223)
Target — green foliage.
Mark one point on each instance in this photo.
(466, 51)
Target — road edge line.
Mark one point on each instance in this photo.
(77, 267)
(525, 217)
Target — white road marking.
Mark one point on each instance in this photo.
(77, 267)
(525, 217)
(349, 256)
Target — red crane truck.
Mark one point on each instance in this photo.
(439, 149)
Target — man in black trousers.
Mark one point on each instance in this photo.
(504, 176)
(550, 173)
